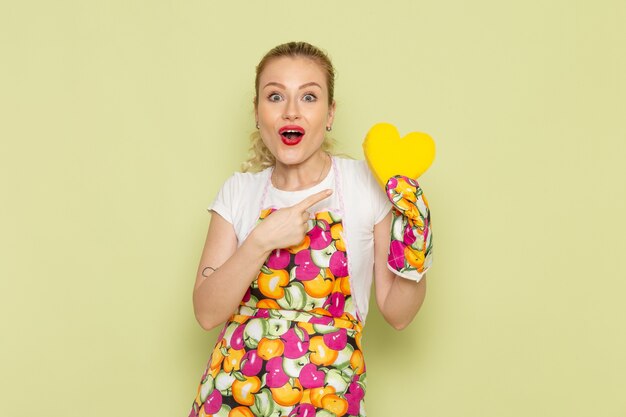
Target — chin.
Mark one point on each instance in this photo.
(292, 156)
(289, 160)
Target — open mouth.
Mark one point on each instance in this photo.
(291, 135)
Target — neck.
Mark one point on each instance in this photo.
(301, 176)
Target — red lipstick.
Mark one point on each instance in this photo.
(291, 135)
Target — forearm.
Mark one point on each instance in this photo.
(218, 294)
(402, 301)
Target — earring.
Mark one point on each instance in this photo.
(329, 128)
(257, 125)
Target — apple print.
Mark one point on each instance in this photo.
(397, 227)
(237, 339)
(409, 235)
(213, 403)
(336, 340)
(255, 330)
(335, 304)
(303, 410)
(206, 388)
(296, 343)
(396, 254)
(343, 359)
(251, 363)
(305, 268)
(246, 296)
(293, 367)
(278, 259)
(313, 302)
(354, 404)
(228, 331)
(349, 304)
(336, 379)
(246, 311)
(276, 328)
(276, 376)
(262, 313)
(320, 235)
(223, 382)
(223, 412)
(295, 297)
(252, 301)
(325, 413)
(322, 257)
(263, 403)
(283, 314)
(280, 410)
(356, 388)
(311, 377)
(323, 324)
(339, 264)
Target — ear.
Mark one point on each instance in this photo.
(331, 113)
(256, 110)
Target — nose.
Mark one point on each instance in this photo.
(291, 110)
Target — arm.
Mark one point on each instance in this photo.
(398, 299)
(218, 292)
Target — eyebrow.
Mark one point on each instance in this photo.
(300, 88)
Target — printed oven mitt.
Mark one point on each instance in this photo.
(411, 246)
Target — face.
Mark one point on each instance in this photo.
(292, 110)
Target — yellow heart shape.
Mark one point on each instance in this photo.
(388, 154)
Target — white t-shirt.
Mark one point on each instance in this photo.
(364, 205)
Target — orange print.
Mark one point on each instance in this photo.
(407, 190)
(232, 361)
(344, 285)
(301, 246)
(321, 285)
(324, 216)
(321, 311)
(243, 391)
(306, 326)
(270, 348)
(268, 303)
(335, 232)
(271, 285)
(288, 394)
(318, 394)
(357, 339)
(217, 357)
(357, 362)
(335, 404)
(320, 353)
(414, 257)
(240, 319)
(240, 411)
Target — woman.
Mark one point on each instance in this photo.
(290, 250)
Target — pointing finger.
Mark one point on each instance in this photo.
(312, 199)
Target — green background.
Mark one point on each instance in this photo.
(121, 119)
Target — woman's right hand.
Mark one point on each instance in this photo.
(287, 226)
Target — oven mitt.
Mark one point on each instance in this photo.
(411, 246)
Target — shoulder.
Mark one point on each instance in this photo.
(355, 171)
(351, 164)
(240, 181)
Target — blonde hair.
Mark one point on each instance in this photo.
(260, 156)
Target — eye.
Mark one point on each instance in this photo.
(274, 97)
(309, 97)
